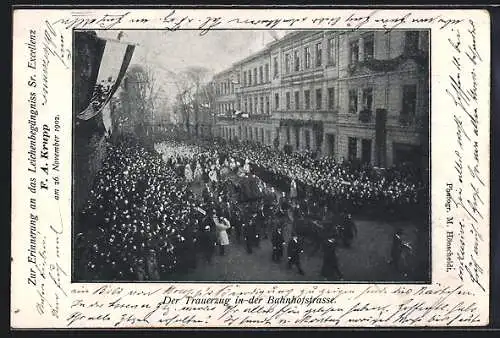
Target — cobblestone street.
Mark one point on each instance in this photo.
(366, 260)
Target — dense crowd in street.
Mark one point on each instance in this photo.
(143, 220)
(350, 186)
(134, 216)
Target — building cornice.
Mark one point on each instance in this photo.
(253, 56)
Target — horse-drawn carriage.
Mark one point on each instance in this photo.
(316, 229)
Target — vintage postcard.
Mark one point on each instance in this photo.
(250, 168)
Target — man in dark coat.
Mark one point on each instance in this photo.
(207, 243)
(396, 248)
(304, 207)
(294, 251)
(277, 241)
(182, 252)
(236, 222)
(261, 221)
(249, 233)
(349, 230)
(206, 194)
(330, 269)
(256, 225)
(191, 246)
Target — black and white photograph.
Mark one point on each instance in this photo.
(267, 156)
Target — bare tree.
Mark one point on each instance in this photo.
(189, 84)
(140, 98)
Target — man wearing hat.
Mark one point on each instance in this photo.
(278, 241)
(396, 248)
(256, 226)
(349, 230)
(294, 252)
(207, 243)
(152, 266)
(330, 269)
(249, 234)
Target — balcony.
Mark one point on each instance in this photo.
(307, 115)
(303, 75)
(253, 87)
(409, 121)
(387, 65)
(363, 118)
(243, 117)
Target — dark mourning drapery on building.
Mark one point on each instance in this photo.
(98, 68)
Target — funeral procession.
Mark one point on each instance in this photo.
(251, 156)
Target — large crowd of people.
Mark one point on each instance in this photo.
(350, 186)
(136, 213)
(151, 213)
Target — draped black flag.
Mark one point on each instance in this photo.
(99, 70)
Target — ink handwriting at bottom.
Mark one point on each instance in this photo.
(77, 317)
(179, 320)
(130, 319)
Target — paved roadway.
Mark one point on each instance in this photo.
(366, 260)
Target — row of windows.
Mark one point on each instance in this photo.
(260, 135)
(263, 76)
(226, 107)
(307, 138)
(307, 57)
(224, 88)
(332, 48)
(248, 133)
(307, 99)
(359, 49)
(366, 42)
(366, 96)
(262, 105)
(366, 149)
(357, 148)
(359, 99)
(260, 75)
(256, 105)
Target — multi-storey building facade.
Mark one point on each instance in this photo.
(352, 95)
(253, 95)
(225, 84)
